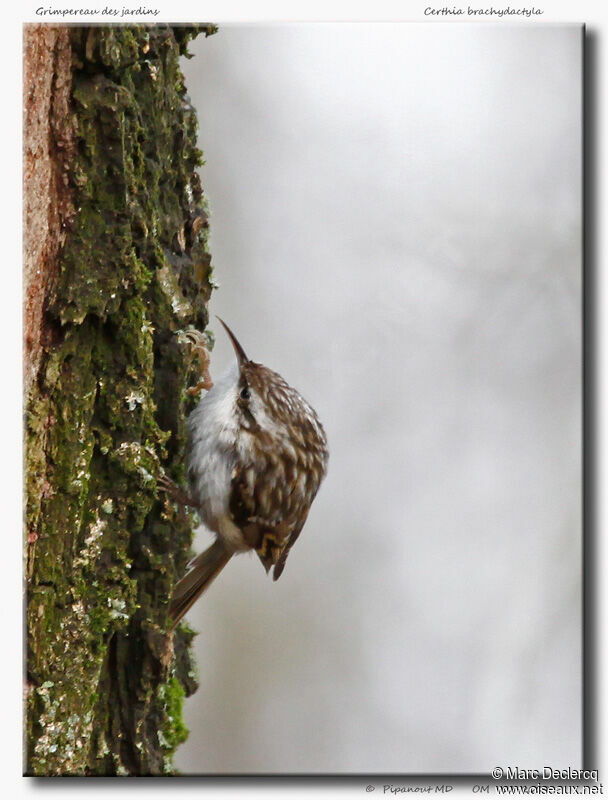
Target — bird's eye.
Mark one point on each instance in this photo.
(245, 393)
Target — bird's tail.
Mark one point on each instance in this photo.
(203, 570)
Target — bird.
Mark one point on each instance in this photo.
(257, 454)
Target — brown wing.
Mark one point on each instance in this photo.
(312, 468)
(280, 564)
(269, 502)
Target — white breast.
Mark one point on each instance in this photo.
(213, 430)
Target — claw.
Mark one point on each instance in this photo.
(196, 338)
(174, 492)
(200, 386)
(198, 342)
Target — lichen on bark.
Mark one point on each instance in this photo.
(107, 412)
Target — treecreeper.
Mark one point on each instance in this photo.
(257, 454)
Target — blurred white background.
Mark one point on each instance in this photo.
(396, 228)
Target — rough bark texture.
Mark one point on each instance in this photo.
(116, 268)
(48, 149)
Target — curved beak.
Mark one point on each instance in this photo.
(240, 353)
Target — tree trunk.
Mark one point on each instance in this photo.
(116, 267)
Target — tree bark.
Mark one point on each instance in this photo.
(116, 269)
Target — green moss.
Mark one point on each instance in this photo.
(109, 410)
(171, 695)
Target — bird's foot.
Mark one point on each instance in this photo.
(174, 492)
(198, 342)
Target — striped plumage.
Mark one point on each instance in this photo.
(258, 454)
